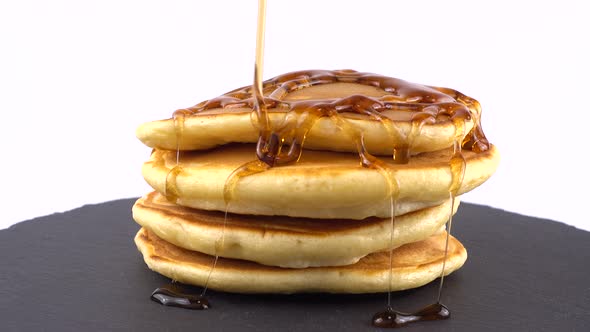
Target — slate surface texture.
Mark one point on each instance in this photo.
(81, 271)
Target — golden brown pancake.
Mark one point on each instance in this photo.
(320, 185)
(284, 241)
(414, 265)
(210, 128)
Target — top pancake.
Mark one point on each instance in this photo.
(230, 118)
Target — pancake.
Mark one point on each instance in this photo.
(320, 185)
(213, 128)
(284, 241)
(229, 118)
(414, 265)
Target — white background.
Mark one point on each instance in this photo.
(77, 77)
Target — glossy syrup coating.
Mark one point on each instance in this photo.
(283, 143)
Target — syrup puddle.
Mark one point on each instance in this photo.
(393, 319)
(179, 295)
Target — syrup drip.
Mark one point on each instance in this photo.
(476, 141)
(179, 117)
(173, 294)
(392, 319)
(182, 296)
(401, 155)
(370, 161)
(457, 165)
(249, 168)
(218, 248)
(268, 143)
(392, 231)
(172, 193)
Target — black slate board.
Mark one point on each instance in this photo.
(80, 271)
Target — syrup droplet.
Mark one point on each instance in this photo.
(172, 193)
(182, 296)
(393, 319)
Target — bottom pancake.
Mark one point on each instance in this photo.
(414, 264)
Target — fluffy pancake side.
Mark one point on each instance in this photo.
(414, 265)
(284, 241)
(320, 185)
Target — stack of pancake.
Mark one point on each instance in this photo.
(311, 194)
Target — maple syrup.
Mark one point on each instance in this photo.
(182, 296)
